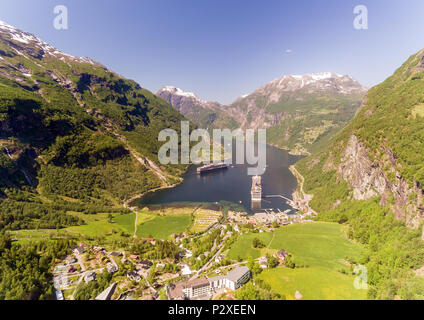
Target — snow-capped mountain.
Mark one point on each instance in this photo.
(181, 100)
(298, 109)
(326, 82)
(204, 113)
(23, 42)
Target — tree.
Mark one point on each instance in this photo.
(257, 243)
(152, 274)
(247, 292)
(253, 266)
(273, 262)
(289, 262)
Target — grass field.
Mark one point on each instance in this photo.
(23, 236)
(418, 110)
(161, 227)
(96, 229)
(126, 221)
(313, 283)
(321, 247)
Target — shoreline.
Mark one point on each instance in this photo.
(295, 196)
(300, 195)
(290, 151)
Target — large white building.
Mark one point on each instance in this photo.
(237, 277)
(204, 287)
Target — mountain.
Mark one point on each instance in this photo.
(205, 114)
(74, 135)
(372, 176)
(298, 110)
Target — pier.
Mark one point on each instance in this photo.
(290, 202)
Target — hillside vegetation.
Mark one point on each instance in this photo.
(74, 136)
(371, 176)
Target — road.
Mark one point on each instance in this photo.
(211, 260)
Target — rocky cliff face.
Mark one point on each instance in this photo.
(380, 152)
(367, 179)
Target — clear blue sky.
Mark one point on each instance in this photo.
(221, 49)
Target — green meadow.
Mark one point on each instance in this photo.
(126, 221)
(161, 227)
(322, 250)
(313, 283)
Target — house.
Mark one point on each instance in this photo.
(72, 269)
(90, 276)
(146, 264)
(282, 254)
(151, 240)
(263, 262)
(78, 250)
(185, 270)
(60, 281)
(188, 254)
(133, 276)
(98, 249)
(83, 245)
(72, 260)
(134, 257)
(116, 254)
(111, 268)
(219, 258)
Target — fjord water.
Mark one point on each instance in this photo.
(233, 184)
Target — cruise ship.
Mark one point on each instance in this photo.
(212, 167)
(256, 188)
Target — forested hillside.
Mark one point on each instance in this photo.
(371, 177)
(74, 135)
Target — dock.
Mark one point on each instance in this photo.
(290, 202)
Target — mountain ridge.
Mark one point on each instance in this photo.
(323, 102)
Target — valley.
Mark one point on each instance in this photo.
(87, 210)
(299, 111)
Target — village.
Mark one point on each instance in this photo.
(193, 274)
(197, 268)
